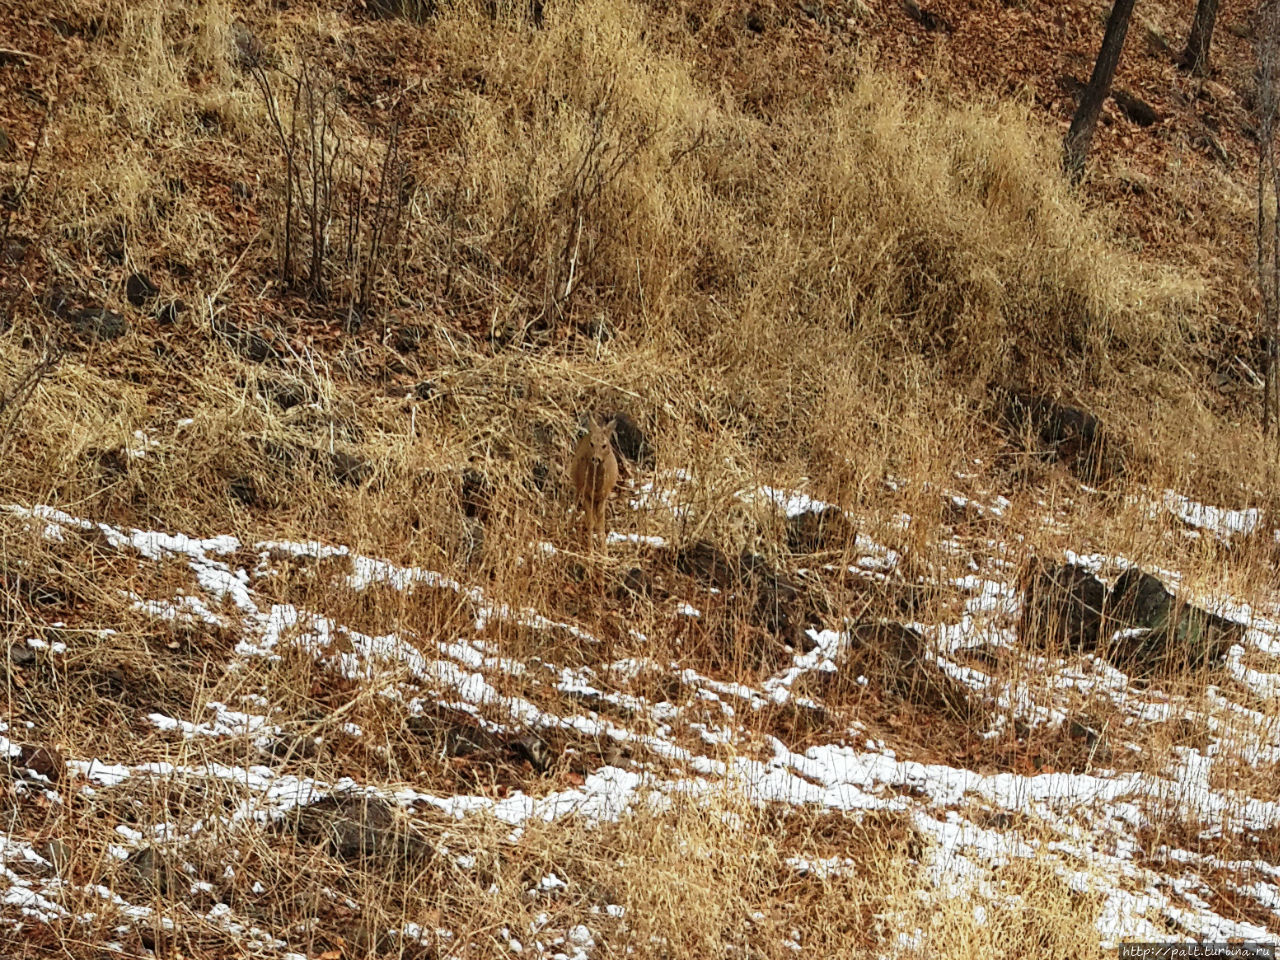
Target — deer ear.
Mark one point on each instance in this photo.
(591, 420)
(611, 427)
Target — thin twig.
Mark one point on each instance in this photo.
(26, 179)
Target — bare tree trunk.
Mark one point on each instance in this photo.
(1196, 57)
(1076, 146)
(1268, 211)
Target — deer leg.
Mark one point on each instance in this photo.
(601, 532)
(588, 526)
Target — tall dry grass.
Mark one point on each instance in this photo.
(821, 294)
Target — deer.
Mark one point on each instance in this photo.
(594, 471)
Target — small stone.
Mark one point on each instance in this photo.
(167, 313)
(631, 440)
(349, 469)
(408, 338)
(46, 761)
(243, 491)
(139, 290)
(20, 655)
(98, 323)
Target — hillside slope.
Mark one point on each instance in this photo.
(914, 634)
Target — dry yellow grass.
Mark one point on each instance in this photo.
(824, 297)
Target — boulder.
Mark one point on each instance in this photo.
(1063, 433)
(1156, 629)
(894, 658)
(1138, 625)
(820, 529)
(1138, 599)
(1062, 608)
(356, 826)
(775, 602)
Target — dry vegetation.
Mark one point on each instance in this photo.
(394, 253)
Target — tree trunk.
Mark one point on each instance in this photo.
(1267, 108)
(1076, 146)
(1196, 57)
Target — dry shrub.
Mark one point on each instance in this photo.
(1032, 911)
(818, 298)
(844, 278)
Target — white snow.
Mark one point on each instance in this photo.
(694, 747)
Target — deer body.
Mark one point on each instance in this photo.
(594, 471)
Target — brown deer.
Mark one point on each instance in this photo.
(594, 470)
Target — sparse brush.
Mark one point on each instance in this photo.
(314, 592)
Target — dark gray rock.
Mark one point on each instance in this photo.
(98, 324)
(358, 827)
(1138, 599)
(139, 290)
(1161, 631)
(1064, 433)
(349, 469)
(817, 530)
(1062, 608)
(630, 440)
(18, 654)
